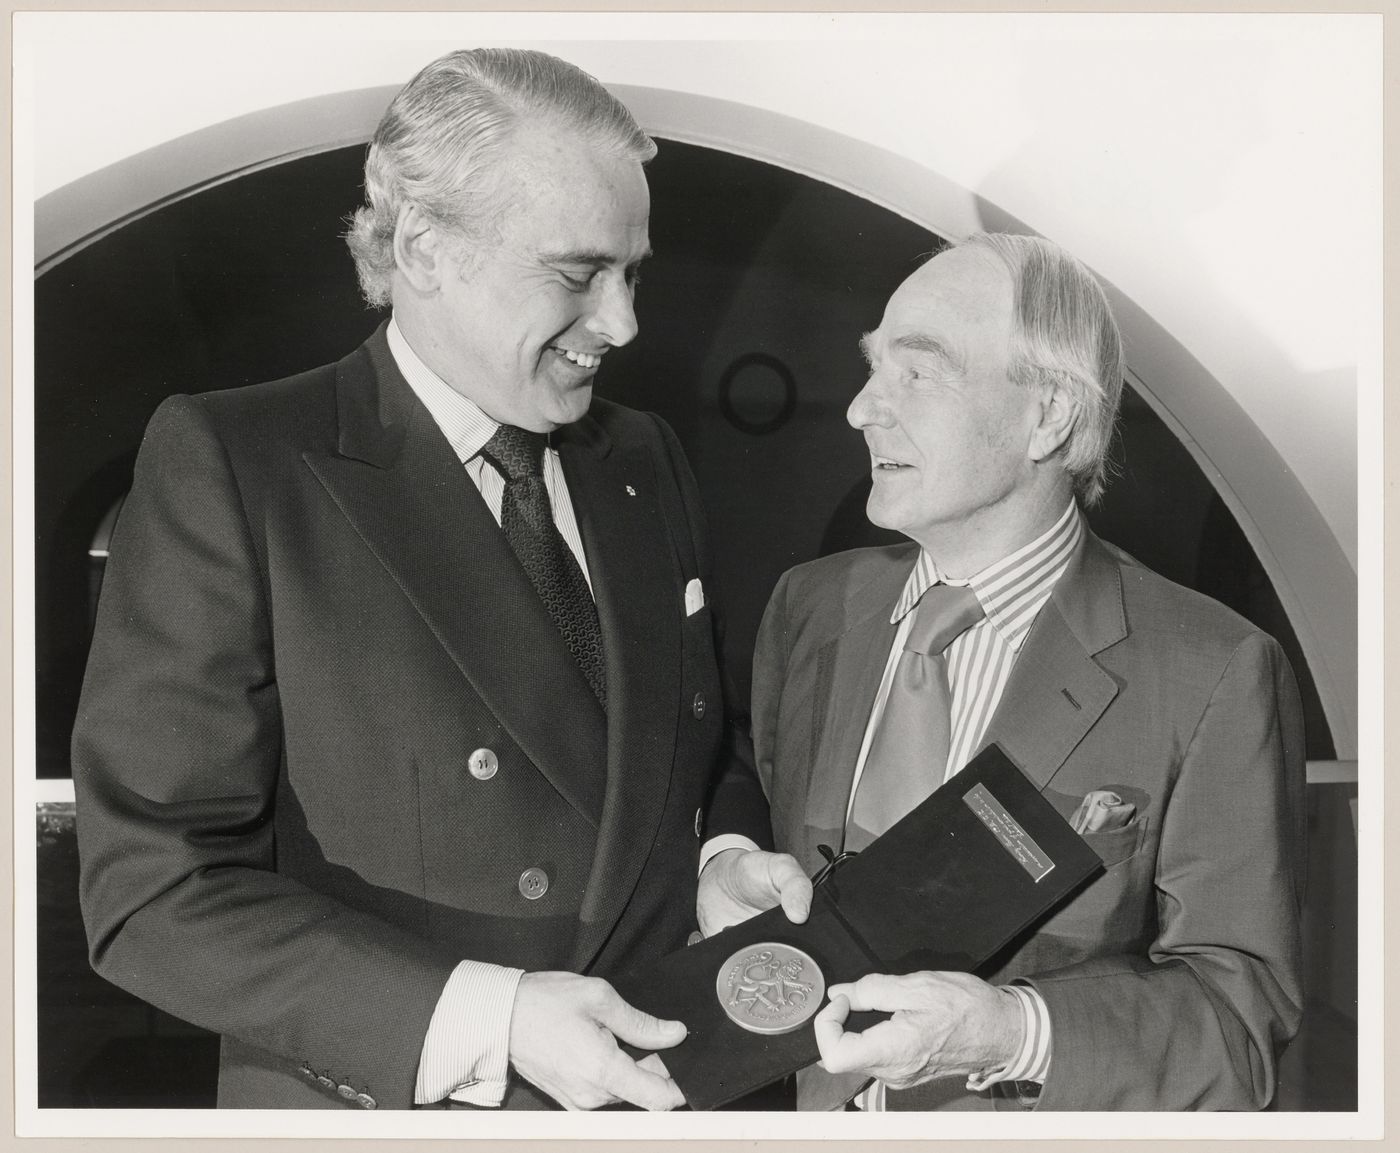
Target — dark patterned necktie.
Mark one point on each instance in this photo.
(528, 522)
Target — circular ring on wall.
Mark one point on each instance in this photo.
(739, 410)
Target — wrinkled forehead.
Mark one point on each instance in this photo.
(961, 296)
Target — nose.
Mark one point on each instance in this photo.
(614, 320)
(869, 407)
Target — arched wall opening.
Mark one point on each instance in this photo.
(1306, 568)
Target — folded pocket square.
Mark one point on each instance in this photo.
(694, 597)
(1102, 811)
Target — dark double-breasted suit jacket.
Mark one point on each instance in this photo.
(1172, 979)
(330, 742)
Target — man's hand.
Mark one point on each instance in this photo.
(737, 883)
(564, 1031)
(943, 1024)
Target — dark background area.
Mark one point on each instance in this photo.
(750, 312)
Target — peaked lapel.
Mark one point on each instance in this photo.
(1057, 691)
(637, 585)
(400, 485)
(849, 669)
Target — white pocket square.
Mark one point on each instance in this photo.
(694, 597)
(1102, 811)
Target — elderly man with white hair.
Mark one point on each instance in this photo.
(1164, 727)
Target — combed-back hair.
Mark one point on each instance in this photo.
(1063, 332)
(440, 143)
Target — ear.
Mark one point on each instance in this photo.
(421, 251)
(1057, 412)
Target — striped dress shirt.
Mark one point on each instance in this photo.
(466, 1047)
(1012, 592)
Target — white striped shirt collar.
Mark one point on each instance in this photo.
(1012, 590)
(466, 427)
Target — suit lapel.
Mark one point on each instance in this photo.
(398, 482)
(1057, 692)
(849, 668)
(638, 592)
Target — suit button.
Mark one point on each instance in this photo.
(482, 764)
(367, 1102)
(349, 1092)
(697, 706)
(326, 1082)
(699, 821)
(533, 884)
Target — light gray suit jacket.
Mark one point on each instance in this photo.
(1173, 979)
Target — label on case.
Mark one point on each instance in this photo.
(1004, 827)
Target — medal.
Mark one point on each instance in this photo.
(770, 988)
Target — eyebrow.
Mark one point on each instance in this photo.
(923, 342)
(595, 257)
(912, 342)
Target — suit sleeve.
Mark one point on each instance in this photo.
(736, 803)
(1198, 1022)
(176, 756)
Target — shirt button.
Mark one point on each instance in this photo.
(697, 706)
(699, 821)
(482, 764)
(533, 884)
(367, 1102)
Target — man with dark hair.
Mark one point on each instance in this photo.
(403, 709)
(1167, 729)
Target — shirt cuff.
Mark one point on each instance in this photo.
(1032, 1062)
(716, 845)
(466, 1050)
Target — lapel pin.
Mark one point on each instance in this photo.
(631, 491)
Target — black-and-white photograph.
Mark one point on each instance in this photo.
(580, 568)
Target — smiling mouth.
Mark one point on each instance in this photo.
(886, 464)
(582, 359)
